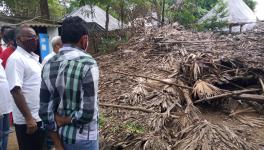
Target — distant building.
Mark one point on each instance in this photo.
(239, 16)
(45, 29)
(95, 18)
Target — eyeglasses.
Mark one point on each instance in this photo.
(30, 37)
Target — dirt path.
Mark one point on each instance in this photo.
(12, 143)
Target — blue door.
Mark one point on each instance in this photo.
(44, 45)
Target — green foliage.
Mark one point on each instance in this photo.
(109, 44)
(124, 10)
(21, 8)
(211, 24)
(56, 9)
(251, 4)
(73, 5)
(186, 16)
(102, 120)
(193, 10)
(128, 127)
(216, 21)
(132, 127)
(29, 8)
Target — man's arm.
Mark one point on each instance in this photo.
(47, 115)
(89, 92)
(22, 106)
(15, 75)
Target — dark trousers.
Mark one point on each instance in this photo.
(4, 131)
(33, 141)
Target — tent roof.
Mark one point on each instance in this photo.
(259, 10)
(237, 12)
(97, 15)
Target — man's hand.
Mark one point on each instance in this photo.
(56, 140)
(32, 126)
(61, 121)
(58, 147)
(23, 107)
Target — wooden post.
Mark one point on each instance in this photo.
(230, 28)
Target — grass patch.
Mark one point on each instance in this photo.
(102, 120)
(134, 128)
(111, 43)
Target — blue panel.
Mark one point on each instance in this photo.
(44, 45)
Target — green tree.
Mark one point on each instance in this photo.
(215, 22)
(251, 4)
(57, 10)
(44, 9)
(105, 4)
(124, 10)
(21, 8)
(192, 10)
(30, 9)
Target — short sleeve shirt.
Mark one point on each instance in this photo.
(47, 58)
(24, 70)
(5, 96)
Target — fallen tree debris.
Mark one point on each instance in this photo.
(157, 88)
(138, 109)
(232, 93)
(162, 81)
(204, 136)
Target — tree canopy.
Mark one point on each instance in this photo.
(29, 8)
(186, 12)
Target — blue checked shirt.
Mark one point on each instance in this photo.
(69, 87)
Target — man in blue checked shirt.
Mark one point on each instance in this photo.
(68, 95)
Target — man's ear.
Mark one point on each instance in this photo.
(19, 39)
(84, 42)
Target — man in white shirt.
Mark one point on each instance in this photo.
(23, 72)
(56, 45)
(5, 108)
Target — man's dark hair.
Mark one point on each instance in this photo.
(3, 28)
(72, 29)
(10, 35)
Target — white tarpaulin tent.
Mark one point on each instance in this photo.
(259, 10)
(237, 13)
(96, 15)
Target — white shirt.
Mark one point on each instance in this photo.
(24, 70)
(47, 58)
(5, 96)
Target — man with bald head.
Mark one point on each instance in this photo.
(56, 45)
(23, 72)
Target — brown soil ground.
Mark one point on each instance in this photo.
(12, 143)
(211, 116)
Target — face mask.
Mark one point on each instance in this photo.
(30, 45)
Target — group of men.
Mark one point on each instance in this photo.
(54, 100)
